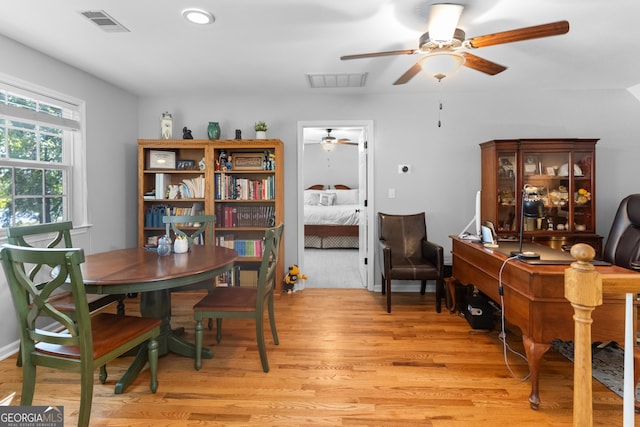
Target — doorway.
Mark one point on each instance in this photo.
(354, 135)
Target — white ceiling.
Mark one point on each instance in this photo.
(267, 46)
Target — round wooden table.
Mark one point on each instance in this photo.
(140, 270)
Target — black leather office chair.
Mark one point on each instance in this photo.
(623, 249)
(404, 253)
(623, 243)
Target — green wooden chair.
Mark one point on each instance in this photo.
(244, 302)
(85, 342)
(197, 229)
(58, 234)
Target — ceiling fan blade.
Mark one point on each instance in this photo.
(481, 64)
(528, 33)
(376, 54)
(408, 75)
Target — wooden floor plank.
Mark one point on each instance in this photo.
(342, 361)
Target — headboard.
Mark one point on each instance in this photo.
(316, 187)
(341, 187)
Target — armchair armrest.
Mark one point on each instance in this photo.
(384, 255)
(434, 253)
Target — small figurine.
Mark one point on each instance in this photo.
(292, 277)
(186, 133)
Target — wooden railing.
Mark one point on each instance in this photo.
(584, 288)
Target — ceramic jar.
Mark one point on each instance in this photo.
(181, 246)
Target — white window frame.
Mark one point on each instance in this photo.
(77, 194)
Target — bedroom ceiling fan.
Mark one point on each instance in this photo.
(329, 142)
(444, 45)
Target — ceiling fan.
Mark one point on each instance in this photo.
(329, 142)
(443, 44)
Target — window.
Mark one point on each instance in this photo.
(40, 156)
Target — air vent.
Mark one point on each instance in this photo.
(104, 21)
(317, 81)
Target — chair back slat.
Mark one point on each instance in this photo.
(267, 272)
(198, 229)
(31, 299)
(60, 237)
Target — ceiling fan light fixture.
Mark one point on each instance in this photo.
(441, 64)
(328, 146)
(443, 19)
(198, 16)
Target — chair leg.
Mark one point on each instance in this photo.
(261, 346)
(218, 330)
(28, 384)
(19, 359)
(210, 323)
(153, 363)
(383, 284)
(103, 374)
(423, 287)
(86, 393)
(272, 321)
(199, 332)
(388, 286)
(120, 307)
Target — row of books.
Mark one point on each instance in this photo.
(228, 216)
(189, 188)
(153, 215)
(246, 248)
(231, 187)
(238, 277)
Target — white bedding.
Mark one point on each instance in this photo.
(331, 215)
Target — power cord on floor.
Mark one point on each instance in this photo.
(503, 334)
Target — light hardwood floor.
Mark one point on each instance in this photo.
(342, 361)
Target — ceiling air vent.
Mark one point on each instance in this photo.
(336, 80)
(104, 21)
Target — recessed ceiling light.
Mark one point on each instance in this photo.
(198, 16)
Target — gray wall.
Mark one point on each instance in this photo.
(445, 160)
(338, 167)
(111, 132)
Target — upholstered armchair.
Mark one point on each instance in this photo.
(404, 253)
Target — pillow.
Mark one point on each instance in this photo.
(327, 199)
(346, 197)
(312, 197)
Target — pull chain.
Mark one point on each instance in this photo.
(440, 77)
(439, 111)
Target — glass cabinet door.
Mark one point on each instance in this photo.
(507, 192)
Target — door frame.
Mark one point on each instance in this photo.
(367, 126)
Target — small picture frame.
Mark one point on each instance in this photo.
(186, 165)
(162, 159)
(551, 171)
(247, 161)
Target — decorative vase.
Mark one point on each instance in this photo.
(164, 246)
(260, 134)
(213, 131)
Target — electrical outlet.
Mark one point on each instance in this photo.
(404, 169)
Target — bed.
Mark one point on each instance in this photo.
(331, 217)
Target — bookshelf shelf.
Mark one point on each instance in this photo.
(249, 200)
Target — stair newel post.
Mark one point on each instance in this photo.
(583, 289)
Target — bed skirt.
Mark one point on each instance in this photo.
(330, 236)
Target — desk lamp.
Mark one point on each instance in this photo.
(532, 207)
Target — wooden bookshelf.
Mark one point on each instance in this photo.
(246, 193)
